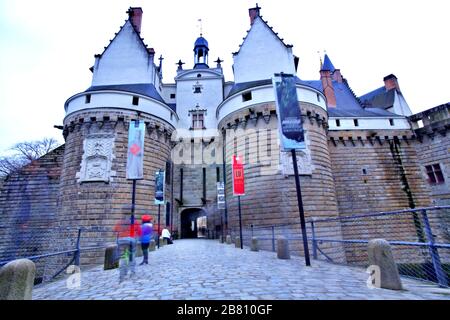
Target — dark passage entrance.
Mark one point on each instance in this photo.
(193, 223)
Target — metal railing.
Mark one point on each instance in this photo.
(417, 236)
(67, 257)
(420, 239)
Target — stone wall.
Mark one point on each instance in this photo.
(192, 168)
(103, 204)
(378, 172)
(271, 197)
(433, 147)
(28, 207)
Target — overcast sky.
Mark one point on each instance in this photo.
(47, 47)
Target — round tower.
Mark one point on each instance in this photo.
(249, 124)
(94, 190)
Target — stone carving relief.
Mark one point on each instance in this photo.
(304, 163)
(97, 159)
(305, 166)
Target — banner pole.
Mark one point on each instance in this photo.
(133, 204)
(159, 226)
(240, 222)
(300, 208)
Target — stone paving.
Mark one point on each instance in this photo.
(208, 270)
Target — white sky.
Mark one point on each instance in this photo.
(47, 47)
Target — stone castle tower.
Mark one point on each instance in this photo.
(360, 157)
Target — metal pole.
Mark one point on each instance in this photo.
(171, 196)
(159, 219)
(240, 222)
(77, 253)
(133, 204)
(224, 169)
(314, 242)
(273, 238)
(300, 208)
(440, 275)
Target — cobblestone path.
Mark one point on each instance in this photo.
(209, 270)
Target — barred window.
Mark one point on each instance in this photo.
(435, 175)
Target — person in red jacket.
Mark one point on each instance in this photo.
(123, 229)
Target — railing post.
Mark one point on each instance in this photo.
(77, 253)
(251, 226)
(314, 242)
(440, 275)
(273, 238)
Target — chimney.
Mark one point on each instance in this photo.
(328, 89)
(253, 12)
(337, 76)
(391, 82)
(135, 16)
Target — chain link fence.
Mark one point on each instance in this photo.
(75, 246)
(420, 240)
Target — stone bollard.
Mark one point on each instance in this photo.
(111, 258)
(229, 239)
(220, 239)
(152, 245)
(17, 280)
(283, 248)
(164, 241)
(380, 255)
(237, 242)
(139, 252)
(254, 245)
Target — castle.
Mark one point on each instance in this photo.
(364, 153)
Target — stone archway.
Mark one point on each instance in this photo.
(189, 223)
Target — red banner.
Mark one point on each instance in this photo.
(238, 177)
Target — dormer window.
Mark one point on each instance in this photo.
(197, 88)
(135, 101)
(88, 99)
(247, 96)
(172, 96)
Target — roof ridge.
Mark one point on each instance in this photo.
(344, 80)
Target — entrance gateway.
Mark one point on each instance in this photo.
(193, 223)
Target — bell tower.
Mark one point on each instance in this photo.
(201, 50)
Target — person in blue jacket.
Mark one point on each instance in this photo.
(146, 236)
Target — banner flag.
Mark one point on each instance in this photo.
(288, 111)
(135, 159)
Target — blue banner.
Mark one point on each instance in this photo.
(288, 112)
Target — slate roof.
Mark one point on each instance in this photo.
(379, 98)
(348, 105)
(238, 87)
(201, 42)
(201, 66)
(145, 89)
(327, 64)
